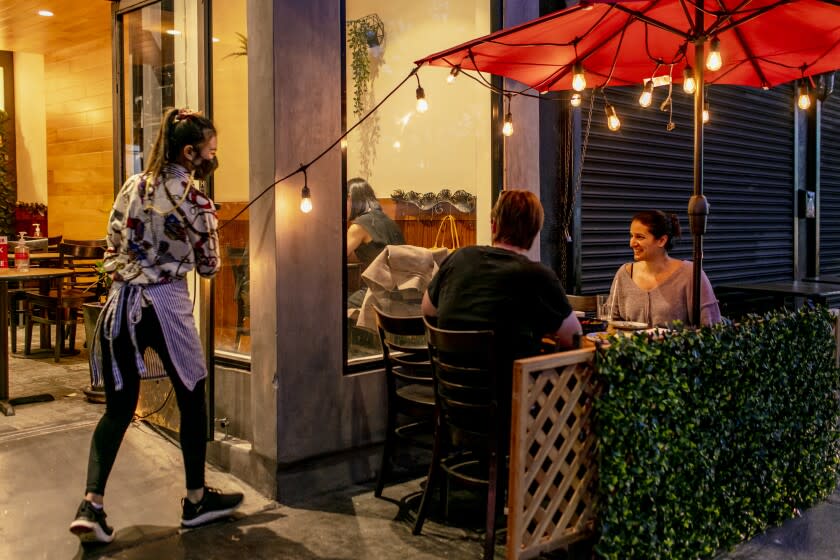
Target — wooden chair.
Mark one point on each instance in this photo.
(472, 427)
(408, 377)
(583, 303)
(78, 288)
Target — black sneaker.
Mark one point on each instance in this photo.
(214, 505)
(90, 525)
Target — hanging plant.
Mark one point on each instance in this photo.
(363, 34)
(8, 190)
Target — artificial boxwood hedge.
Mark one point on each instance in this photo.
(708, 437)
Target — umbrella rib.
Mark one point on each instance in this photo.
(498, 34)
(634, 14)
(750, 56)
(735, 23)
(558, 74)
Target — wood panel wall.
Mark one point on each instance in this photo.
(80, 176)
(420, 227)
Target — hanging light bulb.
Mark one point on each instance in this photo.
(453, 74)
(507, 128)
(803, 100)
(305, 200)
(578, 79)
(689, 83)
(422, 104)
(576, 99)
(647, 94)
(714, 60)
(613, 122)
(706, 114)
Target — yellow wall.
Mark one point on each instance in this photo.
(230, 101)
(80, 180)
(30, 128)
(449, 145)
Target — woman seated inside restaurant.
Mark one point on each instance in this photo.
(656, 289)
(370, 231)
(500, 288)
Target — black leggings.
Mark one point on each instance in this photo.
(120, 405)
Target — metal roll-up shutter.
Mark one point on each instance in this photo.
(829, 203)
(749, 177)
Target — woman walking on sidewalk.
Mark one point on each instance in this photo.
(161, 227)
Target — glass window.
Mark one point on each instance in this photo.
(158, 43)
(229, 46)
(422, 166)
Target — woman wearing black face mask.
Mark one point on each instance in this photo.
(161, 227)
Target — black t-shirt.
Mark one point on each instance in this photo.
(480, 287)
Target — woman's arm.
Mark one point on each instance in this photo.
(356, 235)
(427, 307)
(569, 329)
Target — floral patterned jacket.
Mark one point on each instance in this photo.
(159, 231)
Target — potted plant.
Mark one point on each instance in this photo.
(90, 313)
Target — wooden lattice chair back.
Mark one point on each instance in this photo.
(408, 377)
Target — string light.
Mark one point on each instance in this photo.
(689, 83)
(706, 114)
(803, 100)
(305, 195)
(647, 94)
(453, 74)
(714, 60)
(578, 79)
(613, 122)
(507, 128)
(576, 99)
(422, 104)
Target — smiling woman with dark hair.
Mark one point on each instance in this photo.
(656, 289)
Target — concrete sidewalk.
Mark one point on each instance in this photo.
(43, 458)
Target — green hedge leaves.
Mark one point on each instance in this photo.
(709, 436)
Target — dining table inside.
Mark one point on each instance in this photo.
(45, 276)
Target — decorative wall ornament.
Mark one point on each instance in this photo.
(460, 199)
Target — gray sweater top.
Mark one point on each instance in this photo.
(670, 301)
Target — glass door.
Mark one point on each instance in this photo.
(157, 57)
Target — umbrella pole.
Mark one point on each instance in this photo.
(698, 207)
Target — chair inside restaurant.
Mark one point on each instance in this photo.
(42, 306)
(408, 378)
(472, 431)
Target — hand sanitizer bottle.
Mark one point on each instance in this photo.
(37, 232)
(21, 254)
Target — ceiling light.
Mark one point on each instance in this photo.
(172, 32)
(45, 13)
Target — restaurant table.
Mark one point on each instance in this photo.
(37, 257)
(824, 278)
(13, 275)
(818, 292)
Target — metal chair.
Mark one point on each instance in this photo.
(408, 377)
(76, 289)
(472, 419)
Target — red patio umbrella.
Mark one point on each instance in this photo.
(761, 43)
